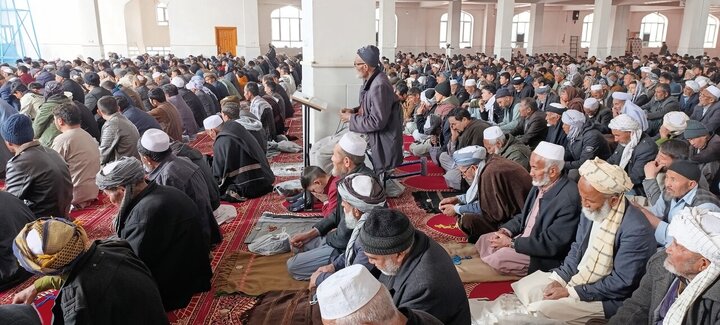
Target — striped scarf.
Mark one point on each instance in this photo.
(53, 247)
(599, 263)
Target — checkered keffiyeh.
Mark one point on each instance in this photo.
(612, 180)
(61, 243)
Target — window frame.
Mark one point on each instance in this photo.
(282, 23)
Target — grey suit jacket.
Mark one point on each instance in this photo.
(711, 118)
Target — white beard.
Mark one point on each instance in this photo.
(597, 215)
(350, 221)
(543, 182)
(392, 271)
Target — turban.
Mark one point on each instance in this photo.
(125, 171)
(675, 122)
(692, 84)
(604, 177)
(250, 123)
(370, 54)
(362, 192)
(625, 123)
(621, 96)
(470, 155)
(346, 291)
(52, 88)
(49, 246)
(715, 91)
(698, 230)
(428, 97)
(575, 120)
(636, 113)
(591, 103)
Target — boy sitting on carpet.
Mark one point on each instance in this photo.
(322, 185)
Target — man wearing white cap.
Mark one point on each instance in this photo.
(680, 286)
(353, 296)
(673, 126)
(458, 91)
(707, 111)
(690, 97)
(165, 168)
(239, 163)
(623, 104)
(472, 90)
(660, 104)
(597, 113)
(601, 94)
(506, 145)
(540, 236)
(330, 236)
(607, 259)
(634, 150)
(498, 189)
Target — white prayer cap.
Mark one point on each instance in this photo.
(353, 144)
(156, 75)
(699, 231)
(645, 69)
(453, 82)
(549, 150)
(692, 84)
(178, 82)
(702, 81)
(6, 69)
(155, 140)
(492, 133)
(714, 91)
(346, 291)
(636, 61)
(675, 121)
(558, 105)
(211, 122)
(624, 122)
(591, 103)
(621, 96)
(596, 87)
(567, 83)
(470, 82)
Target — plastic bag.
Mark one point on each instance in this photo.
(271, 244)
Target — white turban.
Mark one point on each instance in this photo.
(675, 122)
(591, 103)
(575, 120)
(692, 84)
(698, 230)
(624, 122)
(715, 91)
(178, 82)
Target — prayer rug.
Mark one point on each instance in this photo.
(270, 223)
(285, 308)
(426, 183)
(203, 143)
(491, 290)
(253, 275)
(44, 304)
(432, 168)
(470, 267)
(446, 225)
(287, 169)
(430, 200)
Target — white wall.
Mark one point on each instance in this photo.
(59, 36)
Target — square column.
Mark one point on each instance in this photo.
(248, 31)
(694, 23)
(599, 37)
(503, 29)
(387, 37)
(617, 38)
(330, 45)
(453, 26)
(92, 44)
(537, 13)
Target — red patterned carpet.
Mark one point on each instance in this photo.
(207, 308)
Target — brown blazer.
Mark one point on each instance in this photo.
(169, 119)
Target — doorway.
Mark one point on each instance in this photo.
(226, 39)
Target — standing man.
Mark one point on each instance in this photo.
(379, 114)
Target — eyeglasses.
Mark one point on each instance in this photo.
(357, 64)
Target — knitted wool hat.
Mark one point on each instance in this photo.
(687, 169)
(17, 129)
(386, 232)
(443, 88)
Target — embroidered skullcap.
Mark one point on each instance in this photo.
(591, 103)
(470, 155)
(362, 192)
(126, 170)
(346, 291)
(212, 122)
(550, 151)
(492, 133)
(675, 121)
(624, 122)
(353, 144)
(155, 140)
(49, 246)
(604, 177)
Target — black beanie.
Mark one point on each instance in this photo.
(687, 169)
(443, 88)
(386, 232)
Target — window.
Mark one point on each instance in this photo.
(653, 30)
(7, 34)
(285, 23)
(520, 29)
(133, 51)
(377, 28)
(159, 50)
(586, 31)
(161, 14)
(466, 28)
(711, 32)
